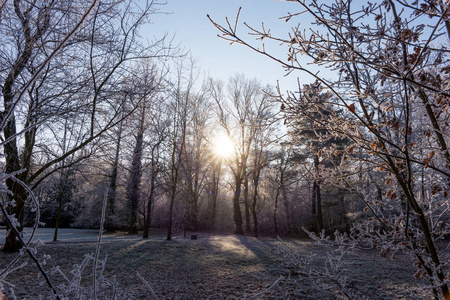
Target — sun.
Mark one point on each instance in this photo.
(223, 146)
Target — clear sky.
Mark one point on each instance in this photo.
(194, 31)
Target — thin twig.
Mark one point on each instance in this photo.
(266, 290)
(147, 285)
(97, 250)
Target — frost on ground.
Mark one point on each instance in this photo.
(212, 267)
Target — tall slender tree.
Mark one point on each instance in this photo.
(157, 135)
(264, 138)
(237, 110)
(195, 157)
(182, 89)
(145, 84)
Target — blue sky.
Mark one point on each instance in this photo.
(188, 21)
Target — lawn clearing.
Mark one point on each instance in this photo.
(212, 267)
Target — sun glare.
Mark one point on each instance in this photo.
(223, 146)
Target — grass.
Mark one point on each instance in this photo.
(212, 267)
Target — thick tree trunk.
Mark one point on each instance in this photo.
(12, 243)
(109, 222)
(194, 216)
(319, 208)
(17, 190)
(313, 198)
(248, 227)
(18, 196)
(316, 198)
(9, 130)
(133, 199)
(60, 202)
(134, 182)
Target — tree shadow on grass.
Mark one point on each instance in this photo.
(262, 248)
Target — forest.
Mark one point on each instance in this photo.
(101, 129)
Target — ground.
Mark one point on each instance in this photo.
(211, 267)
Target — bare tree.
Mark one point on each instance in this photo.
(195, 160)
(238, 115)
(25, 60)
(181, 90)
(145, 83)
(213, 188)
(135, 174)
(54, 68)
(263, 139)
(159, 124)
(283, 167)
(64, 173)
(117, 136)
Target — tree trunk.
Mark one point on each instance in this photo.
(109, 222)
(248, 227)
(275, 211)
(247, 205)
(313, 198)
(214, 211)
(237, 217)
(316, 194)
(255, 217)
(319, 208)
(174, 174)
(62, 183)
(256, 176)
(196, 187)
(172, 201)
(148, 216)
(215, 195)
(285, 199)
(133, 189)
(12, 244)
(18, 192)
(60, 200)
(12, 161)
(195, 215)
